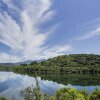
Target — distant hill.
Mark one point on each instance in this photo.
(18, 63)
(74, 60)
(71, 60)
(73, 63)
(7, 64)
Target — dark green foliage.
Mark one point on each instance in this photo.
(23, 64)
(34, 63)
(74, 63)
(79, 95)
(70, 94)
(75, 60)
(95, 95)
(2, 98)
(73, 94)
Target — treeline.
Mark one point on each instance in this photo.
(73, 63)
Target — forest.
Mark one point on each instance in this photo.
(66, 64)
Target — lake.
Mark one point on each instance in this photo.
(11, 84)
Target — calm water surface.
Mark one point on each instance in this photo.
(12, 84)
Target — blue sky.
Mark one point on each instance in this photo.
(42, 29)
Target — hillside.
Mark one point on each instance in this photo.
(74, 60)
(73, 63)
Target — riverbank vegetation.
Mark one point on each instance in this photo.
(31, 93)
(62, 94)
(35, 93)
(73, 63)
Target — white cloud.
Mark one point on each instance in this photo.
(55, 51)
(92, 22)
(4, 58)
(91, 34)
(87, 35)
(7, 76)
(26, 41)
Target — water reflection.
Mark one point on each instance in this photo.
(12, 84)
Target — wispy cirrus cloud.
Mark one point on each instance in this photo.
(90, 34)
(19, 30)
(56, 51)
(92, 29)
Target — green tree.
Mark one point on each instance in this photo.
(95, 95)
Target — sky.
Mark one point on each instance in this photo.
(42, 29)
